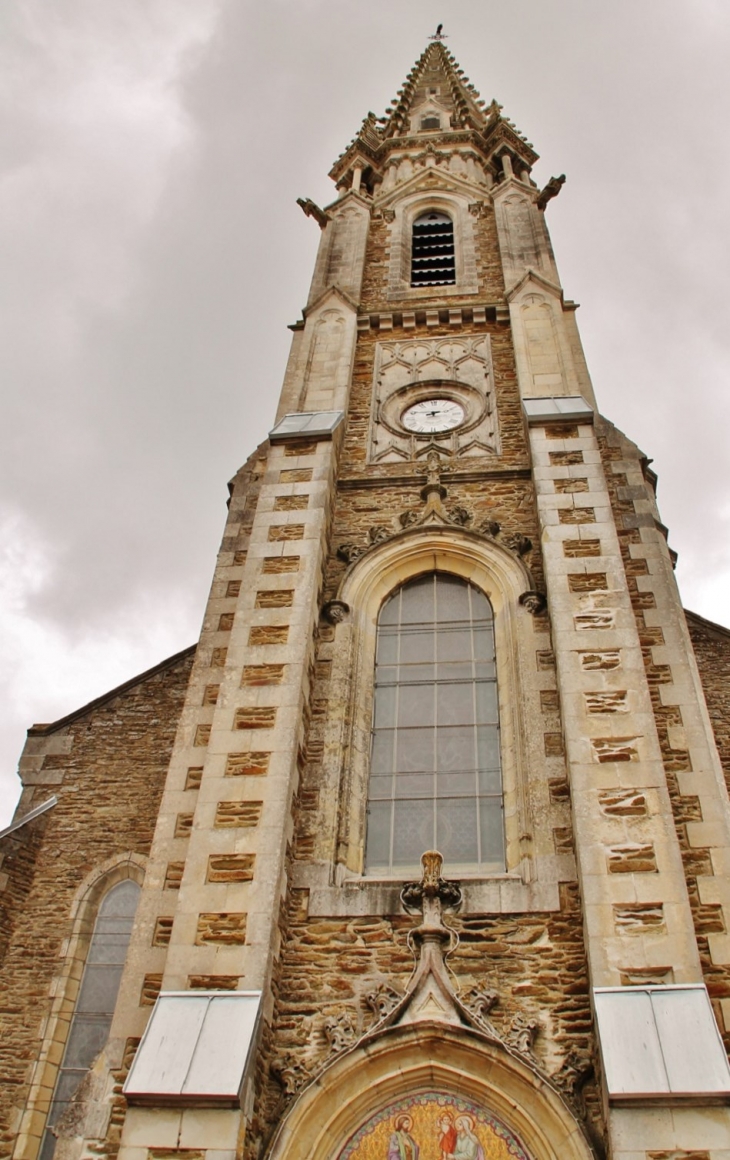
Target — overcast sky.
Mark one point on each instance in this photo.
(153, 254)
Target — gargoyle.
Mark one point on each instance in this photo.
(311, 209)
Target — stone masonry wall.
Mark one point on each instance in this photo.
(712, 649)
(107, 767)
(714, 655)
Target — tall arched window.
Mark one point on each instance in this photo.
(433, 260)
(96, 1000)
(435, 773)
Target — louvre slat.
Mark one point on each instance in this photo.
(432, 259)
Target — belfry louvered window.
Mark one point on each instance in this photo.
(96, 1001)
(433, 260)
(435, 772)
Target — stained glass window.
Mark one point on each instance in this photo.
(435, 772)
(96, 1000)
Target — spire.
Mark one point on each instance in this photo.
(436, 74)
(435, 89)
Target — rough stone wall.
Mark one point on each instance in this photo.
(489, 263)
(107, 767)
(331, 968)
(712, 650)
(715, 663)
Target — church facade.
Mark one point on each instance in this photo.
(422, 852)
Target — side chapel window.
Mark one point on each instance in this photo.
(435, 777)
(433, 260)
(96, 1000)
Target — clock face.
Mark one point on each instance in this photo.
(433, 415)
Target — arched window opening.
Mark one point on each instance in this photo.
(435, 773)
(96, 1000)
(433, 260)
(432, 121)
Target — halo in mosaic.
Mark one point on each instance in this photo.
(433, 1126)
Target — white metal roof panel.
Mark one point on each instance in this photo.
(195, 1048)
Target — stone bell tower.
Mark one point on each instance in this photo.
(440, 859)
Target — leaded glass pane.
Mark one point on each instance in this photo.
(412, 831)
(414, 750)
(415, 705)
(86, 1039)
(456, 832)
(435, 770)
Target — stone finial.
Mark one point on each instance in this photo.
(433, 893)
(433, 486)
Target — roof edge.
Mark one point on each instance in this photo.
(168, 663)
(702, 622)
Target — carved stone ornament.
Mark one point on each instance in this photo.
(516, 542)
(311, 209)
(407, 519)
(379, 533)
(534, 602)
(340, 1031)
(481, 1001)
(459, 515)
(382, 1001)
(523, 1032)
(389, 216)
(335, 611)
(490, 528)
(575, 1070)
(350, 552)
(551, 190)
(290, 1073)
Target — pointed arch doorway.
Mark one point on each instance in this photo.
(385, 1099)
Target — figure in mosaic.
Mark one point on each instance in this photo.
(401, 1145)
(447, 1135)
(467, 1144)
